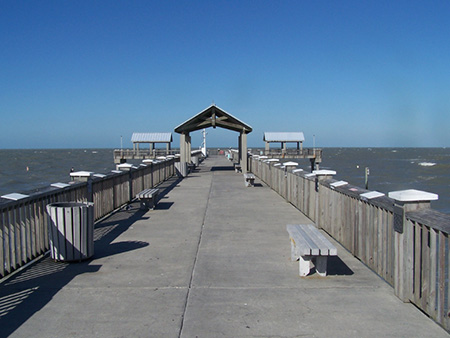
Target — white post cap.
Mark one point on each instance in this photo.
(324, 172)
(412, 195)
(338, 184)
(371, 194)
(59, 185)
(15, 196)
(81, 174)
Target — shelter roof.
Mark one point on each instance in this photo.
(151, 138)
(213, 116)
(283, 137)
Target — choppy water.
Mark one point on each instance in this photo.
(26, 170)
(391, 169)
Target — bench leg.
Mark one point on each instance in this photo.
(304, 264)
(143, 205)
(147, 204)
(321, 265)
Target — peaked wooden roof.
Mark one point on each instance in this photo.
(213, 116)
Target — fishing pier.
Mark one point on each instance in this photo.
(213, 259)
(213, 256)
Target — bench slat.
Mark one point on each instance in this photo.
(147, 193)
(315, 251)
(310, 241)
(325, 246)
(301, 244)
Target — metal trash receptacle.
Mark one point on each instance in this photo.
(71, 230)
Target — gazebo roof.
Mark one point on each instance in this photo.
(213, 116)
(283, 137)
(151, 138)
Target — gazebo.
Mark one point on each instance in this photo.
(212, 116)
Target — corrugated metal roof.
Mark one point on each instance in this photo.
(151, 137)
(283, 137)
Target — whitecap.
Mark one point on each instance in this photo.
(427, 164)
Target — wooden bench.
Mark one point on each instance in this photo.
(148, 198)
(237, 167)
(310, 247)
(249, 179)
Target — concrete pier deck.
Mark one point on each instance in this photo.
(212, 260)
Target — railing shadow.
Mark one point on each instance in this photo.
(29, 290)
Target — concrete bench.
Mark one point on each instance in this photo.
(249, 179)
(310, 247)
(237, 167)
(148, 198)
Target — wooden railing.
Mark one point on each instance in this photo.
(407, 247)
(24, 223)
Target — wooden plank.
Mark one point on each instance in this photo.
(425, 270)
(2, 243)
(27, 224)
(446, 322)
(7, 241)
(12, 238)
(433, 273)
(32, 220)
(417, 261)
(20, 240)
(441, 313)
(380, 243)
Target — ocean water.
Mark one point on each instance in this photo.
(26, 170)
(390, 169)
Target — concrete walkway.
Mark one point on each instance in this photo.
(213, 260)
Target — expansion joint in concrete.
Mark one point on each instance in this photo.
(195, 262)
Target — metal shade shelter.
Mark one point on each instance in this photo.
(212, 116)
(152, 139)
(283, 138)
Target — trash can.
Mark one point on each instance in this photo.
(71, 230)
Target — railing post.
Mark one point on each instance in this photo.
(405, 201)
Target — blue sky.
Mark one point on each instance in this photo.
(77, 74)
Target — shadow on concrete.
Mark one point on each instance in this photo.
(164, 205)
(166, 186)
(29, 290)
(222, 168)
(120, 247)
(337, 267)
